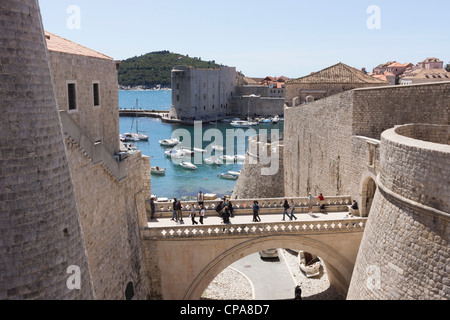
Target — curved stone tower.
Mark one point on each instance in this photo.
(262, 174)
(42, 251)
(405, 251)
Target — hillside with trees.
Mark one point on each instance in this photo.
(152, 69)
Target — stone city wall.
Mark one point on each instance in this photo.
(40, 232)
(256, 107)
(405, 250)
(252, 183)
(319, 136)
(112, 213)
(201, 94)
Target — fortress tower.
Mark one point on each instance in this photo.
(40, 232)
(405, 251)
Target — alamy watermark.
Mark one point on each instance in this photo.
(74, 280)
(374, 20)
(73, 22)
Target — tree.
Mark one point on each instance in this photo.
(447, 67)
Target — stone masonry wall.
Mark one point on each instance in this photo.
(317, 147)
(378, 109)
(111, 214)
(405, 252)
(40, 233)
(99, 122)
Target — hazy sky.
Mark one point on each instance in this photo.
(259, 37)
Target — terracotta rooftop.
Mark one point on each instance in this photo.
(339, 73)
(59, 44)
(428, 74)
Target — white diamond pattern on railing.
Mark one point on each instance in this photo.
(345, 225)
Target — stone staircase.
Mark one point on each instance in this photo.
(96, 152)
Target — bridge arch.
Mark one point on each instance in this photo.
(338, 265)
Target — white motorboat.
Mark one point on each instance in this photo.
(228, 159)
(213, 161)
(188, 165)
(130, 146)
(169, 142)
(239, 158)
(264, 121)
(240, 124)
(218, 148)
(228, 176)
(158, 170)
(187, 151)
(235, 173)
(177, 154)
(309, 264)
(129, 137)
(275, 119)
(199, 150)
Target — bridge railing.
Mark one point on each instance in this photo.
(266, 205)
(272, 228)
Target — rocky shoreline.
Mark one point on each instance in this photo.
(232, 285)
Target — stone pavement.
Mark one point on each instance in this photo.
(213, 219)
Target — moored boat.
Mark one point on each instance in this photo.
(214, 161)
(169, 142)
(228, 176)
(177, 154)
(309, 264)
(188, 165)
(228, 159)
(158, 170)
(235, 173)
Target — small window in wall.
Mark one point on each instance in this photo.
(72, 96)
(129, 291)
(96, 90)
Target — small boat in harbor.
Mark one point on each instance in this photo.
(309, 264)
(235, 173)
(218, 148)
(187, 151)
(239, 158)
(169, 142)
(199, 150)
(228, 159)
(129, 137)
(213, 161)
(158, 170)
(177, 154)
(188, 165)
(240, 124)
(275, 119)
(228, 176)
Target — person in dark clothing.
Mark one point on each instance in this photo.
(152, 208)
(219, 208)
(298, 293)
(256, 217)
(286, 208)
(230, 209)
(174, 213)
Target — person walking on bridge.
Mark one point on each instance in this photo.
(256, 217)
(286, 208)
(292, 206)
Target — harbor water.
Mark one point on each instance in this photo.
(178, 181)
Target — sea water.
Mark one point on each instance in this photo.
(178, 181)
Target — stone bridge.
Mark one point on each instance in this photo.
(183, 259)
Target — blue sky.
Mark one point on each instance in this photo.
(259, 37)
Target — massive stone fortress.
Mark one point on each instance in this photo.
(40, 231)
(201, 94)
(405, 252)
(67, 200)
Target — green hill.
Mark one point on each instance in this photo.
(155, 68)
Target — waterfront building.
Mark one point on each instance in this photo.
(200, 94)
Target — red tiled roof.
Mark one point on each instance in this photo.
(59, 44)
